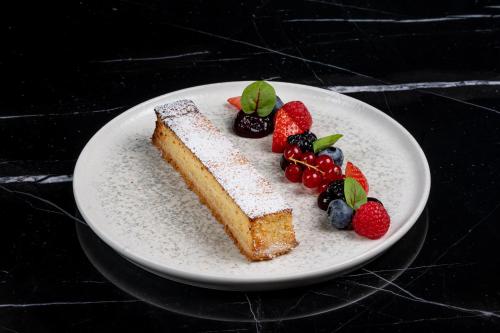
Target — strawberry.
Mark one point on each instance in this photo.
(352, 171)
(371, 220)
(284, 126)
(235, 101)
(299, 113)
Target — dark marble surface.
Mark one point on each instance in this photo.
(69, 68)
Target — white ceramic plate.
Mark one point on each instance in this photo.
(140, 206)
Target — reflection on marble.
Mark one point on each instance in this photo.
(238, 306)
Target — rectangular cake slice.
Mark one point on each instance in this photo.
(257, 218)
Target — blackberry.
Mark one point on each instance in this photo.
(310, 136)
(336, 189)
(306, 146)
(294, 139)
(304, 141)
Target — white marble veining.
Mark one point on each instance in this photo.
(384, 20)
(40, 179)
(74, 113)
(173, 56)
(412, 86)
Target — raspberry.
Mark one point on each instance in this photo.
(299, 113)
(371, 220)
(352, 171)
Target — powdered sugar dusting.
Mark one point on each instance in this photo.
(250, 190)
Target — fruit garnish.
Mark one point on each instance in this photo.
(355, 195)
(312, 175)
(284, 163)
(304, 140)
(333, 173)
(324, 200)
(258, 97)
(251, 125)
(336, 189)
(323, 186)
(324, 163)
(375, 200)
(292, 152)
(299, 113)
(311, 178)
(353, 171)
(371, 220)
(335, 154)
(309, 159)
(325, 142)
(235, 101)
(339, 214)
(284, 126)
(279, 103)
(293, 173)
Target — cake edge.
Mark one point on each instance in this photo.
(258, 254)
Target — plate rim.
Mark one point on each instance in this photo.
(303, 276)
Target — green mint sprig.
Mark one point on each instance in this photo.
(325, 142)
(355, 195)
(258, 97)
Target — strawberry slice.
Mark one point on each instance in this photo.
(284, 126)
(352, 171)
(299, 113)
(235, 101)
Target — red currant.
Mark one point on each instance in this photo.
(324, 162)
(333, 173)
(292, 152)
(323, 186)
(293, 173)
(309, 159)
(311, 178)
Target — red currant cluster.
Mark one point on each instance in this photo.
(313, 171)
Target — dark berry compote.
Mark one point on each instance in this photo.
(252, 125)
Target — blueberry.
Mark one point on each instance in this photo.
(279, 103)
(277, 106)
(339, 214)
(335, 154)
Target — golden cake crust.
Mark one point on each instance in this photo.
(266, 236)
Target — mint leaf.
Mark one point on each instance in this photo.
(355, 195)
(258, 96)
(325, 142)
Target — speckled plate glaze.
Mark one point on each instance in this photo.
(140, 206)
